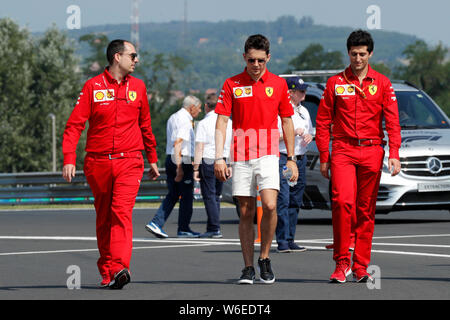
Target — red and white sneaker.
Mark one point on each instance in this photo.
(361, 275)
(341, 272)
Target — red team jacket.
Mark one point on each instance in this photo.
(356, 114)
(119, 118)
(254, 107)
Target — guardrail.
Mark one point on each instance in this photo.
(51, 188)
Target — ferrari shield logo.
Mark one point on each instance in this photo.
(373, 89)
(269, 91)
(132, 95)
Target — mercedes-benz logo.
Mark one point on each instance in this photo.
(434, 165)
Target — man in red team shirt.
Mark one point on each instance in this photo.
(254, 99)
(355, 102)
(116, 106)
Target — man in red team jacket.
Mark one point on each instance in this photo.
(355, 102)
(116, 106)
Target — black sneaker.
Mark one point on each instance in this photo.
(293, 247)
(248, 276)
(266, 274)
(121, 278)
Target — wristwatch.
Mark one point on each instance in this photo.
(292, 158)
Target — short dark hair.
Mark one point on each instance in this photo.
(115, 46)
(211, 100)
(360, 38)
(257, 42)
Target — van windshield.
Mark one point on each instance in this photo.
(417, 111)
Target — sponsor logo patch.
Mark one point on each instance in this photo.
(344, 90)
(242, 92)
(103, 95)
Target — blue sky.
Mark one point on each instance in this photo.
(428, 20)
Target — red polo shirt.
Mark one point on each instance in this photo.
(358, 115)
(254, 107)
(118, 115)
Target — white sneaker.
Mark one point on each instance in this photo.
(156, 230)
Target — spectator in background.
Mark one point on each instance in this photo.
(211, 187)
(179, 171)
(290, 198)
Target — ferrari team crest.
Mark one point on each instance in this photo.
(269, 91)
(132, 95)
(373, 89)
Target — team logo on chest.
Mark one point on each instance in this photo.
(242, 92)
(373, 89)
(132, 95)
(269, 91)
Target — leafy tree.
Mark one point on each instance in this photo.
(314, 57)
(96, 61)
(429, 68)
(39, 77)
(381, 68)
(161, 73)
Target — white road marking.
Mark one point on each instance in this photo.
(196, 242)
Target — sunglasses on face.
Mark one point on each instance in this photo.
(260, 61)
(133, 55)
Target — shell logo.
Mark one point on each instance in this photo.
(340, 90)
(238, 92)
(99, 95)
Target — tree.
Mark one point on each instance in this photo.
(39, 77)
(381, 68)
(429, 68)
(161, 73)
(314, 57)
(96, 61)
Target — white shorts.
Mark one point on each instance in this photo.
(262, 172)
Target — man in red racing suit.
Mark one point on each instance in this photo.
(116, 106)
(355, 102)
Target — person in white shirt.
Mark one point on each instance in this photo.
(179, 170)
(290, 198)
(205, 152)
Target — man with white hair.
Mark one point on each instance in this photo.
(179, 170)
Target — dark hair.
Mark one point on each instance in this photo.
(211, 100)
(360, 38)
(257, 42)
(115, 46)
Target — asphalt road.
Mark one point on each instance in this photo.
(44, 252)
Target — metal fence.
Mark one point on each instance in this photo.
(51, 188)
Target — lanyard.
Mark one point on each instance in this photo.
(297, 109)
(112, 95)
(360, 91)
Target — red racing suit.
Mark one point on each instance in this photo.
(119, 129)
(352, 115)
